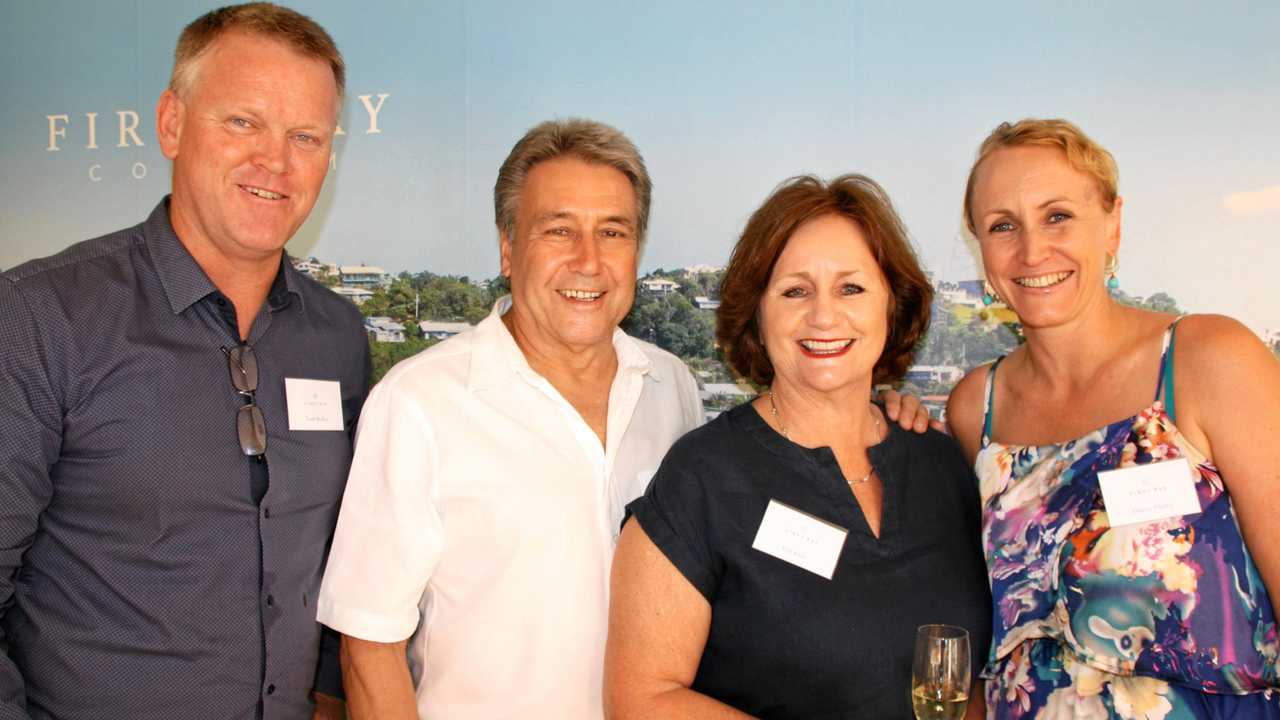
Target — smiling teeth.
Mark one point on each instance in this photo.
(825, 346)
(267, 194)
(580, 294)
(1043, 281)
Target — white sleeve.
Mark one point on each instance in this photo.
(389, 535)
(690, 401)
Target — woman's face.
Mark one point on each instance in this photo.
(1044, 234)
(823, 317)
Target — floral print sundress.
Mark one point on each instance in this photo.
(1159, 621)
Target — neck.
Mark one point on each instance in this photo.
(563, 366)
(822, 419)
(245, 280)
(1072, 354)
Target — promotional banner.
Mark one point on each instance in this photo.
(725, 100)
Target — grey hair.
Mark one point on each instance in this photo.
(588, 140)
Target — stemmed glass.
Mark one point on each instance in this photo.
(940, 673)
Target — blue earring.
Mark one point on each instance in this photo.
(1113, 264)
(988, 294)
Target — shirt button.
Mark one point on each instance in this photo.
(271, 600)
(222, 303)
(271, 689)
(266, 513)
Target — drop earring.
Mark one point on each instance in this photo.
(1110, 269)
(989, 295)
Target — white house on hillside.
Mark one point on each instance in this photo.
(659, 286)
(439, 329)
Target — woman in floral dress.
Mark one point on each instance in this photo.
(1129, 464)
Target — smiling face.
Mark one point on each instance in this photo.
(572, 262)
(1044, 234)
(824, 315)
(250, 144)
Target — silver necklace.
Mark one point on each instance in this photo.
(773, 407)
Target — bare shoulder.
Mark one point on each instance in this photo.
(965, 409)
(1219, 348)
(1218, 362)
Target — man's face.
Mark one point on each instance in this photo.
(250, 143)
(572, 262)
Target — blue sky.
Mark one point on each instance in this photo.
(725, 99)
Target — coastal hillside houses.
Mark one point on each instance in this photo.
(659, 286)
(384, 329)
(364, 276)
(355, 295)
(312, 267)
(440, 329)
(703, 302)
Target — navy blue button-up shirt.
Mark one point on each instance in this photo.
(140, 577)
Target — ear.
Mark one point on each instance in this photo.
(1113, 229)
(170, 112)
(504, 254)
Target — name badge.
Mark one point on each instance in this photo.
(1143, 493)
(800, 539)
(313, 404)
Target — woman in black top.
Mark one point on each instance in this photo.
(785, 553)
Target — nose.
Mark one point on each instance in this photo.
(1033, 247)
(822, 312)
(586, 257)
(272, 154)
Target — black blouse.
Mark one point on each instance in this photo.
(785, 642)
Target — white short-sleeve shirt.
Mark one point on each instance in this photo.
(480, 517)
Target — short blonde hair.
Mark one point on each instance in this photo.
(264, 19)
(1082, 153)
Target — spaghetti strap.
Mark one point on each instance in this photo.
(1164, 385)
(987, 411)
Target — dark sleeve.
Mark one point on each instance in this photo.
(674, 514)
(329, 666)
(30, 441)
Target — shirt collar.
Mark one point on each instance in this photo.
(495, 357)
(184, 281)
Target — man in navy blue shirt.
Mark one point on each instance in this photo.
(176, 404)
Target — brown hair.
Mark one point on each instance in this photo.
(588, 140)
(1083, 154)
(290, 27)
(794, 202)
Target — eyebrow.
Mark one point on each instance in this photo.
(804, 274)
(1005, 211)
(566, 215)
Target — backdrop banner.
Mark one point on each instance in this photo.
(725, 100)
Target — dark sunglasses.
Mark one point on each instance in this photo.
(251, 428)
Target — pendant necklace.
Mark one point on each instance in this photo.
(773, 407)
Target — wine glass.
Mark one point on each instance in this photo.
(940, 673)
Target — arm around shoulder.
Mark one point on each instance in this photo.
(965, 411)
(1227, 402)
(658, 625)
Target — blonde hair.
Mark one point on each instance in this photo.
(264, 19)
(1083, 154)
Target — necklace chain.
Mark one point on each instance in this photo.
(773, 407)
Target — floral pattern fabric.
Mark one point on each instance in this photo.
(1159, 621)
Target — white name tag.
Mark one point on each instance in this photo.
(800, 539)
(1143, 493)
(313, 404)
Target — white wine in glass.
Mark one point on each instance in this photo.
(940, 673)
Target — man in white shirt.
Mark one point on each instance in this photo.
(470, 567)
